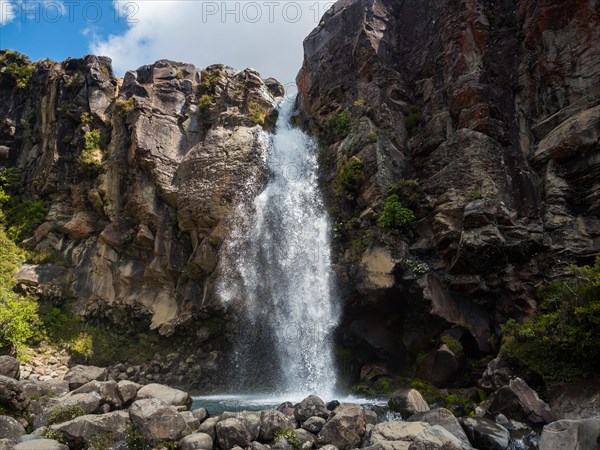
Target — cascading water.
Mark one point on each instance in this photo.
(276, 270)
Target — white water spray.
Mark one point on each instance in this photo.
(277, 269)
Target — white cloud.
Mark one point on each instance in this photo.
(265, 35)
(7, 12)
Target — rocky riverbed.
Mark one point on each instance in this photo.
(90, 409)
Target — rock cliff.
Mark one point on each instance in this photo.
(494, 109)
(137, 175)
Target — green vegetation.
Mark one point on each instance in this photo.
(413, 120)
(92, 154)
(456, 402)
(64, 414)
(86, 118)
(124, 106)
(453, 344)
(289, 434)
(206, 101)
(475, 195)
(562, 340)
(55, 435)
(395, 217)
(337, 127)
(210, 78)
(348, 178)
(18, 66)
(408, 192)
(104, 70)
(416, 266)
(257, 113)
(134, 440)
(102, 441)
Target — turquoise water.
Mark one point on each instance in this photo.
(216, 404)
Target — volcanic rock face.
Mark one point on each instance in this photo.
(494, 108)
(138, 175)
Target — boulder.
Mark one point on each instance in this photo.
(306, 439)
(82, 429)
(271, 423)
(437, 438)
(345, 428)
(166, 394)
(89, 403)
(439, 367)
(309, 407)
(200, 414)
(208, 426)
(254, 445)
(79, 375)
(10, 428)
(156, 421)
(10, 393)
(7, 444)
(314, 424)
(520, 402)
(40, 444)
(395, 435)
(568, 434)
(106, 391)
(485, 434)
(371, 417)
(408, 402)
(497, 374)
(232, 432)
(196, 441)
(444, 418)
(251, 420)
(191, 421)
(9, 367)
(49, 389)
(128, 390)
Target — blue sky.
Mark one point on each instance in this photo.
(265, 35)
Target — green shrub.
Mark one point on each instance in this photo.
(206, 101)
(91, 155)
(23, 218)
(19, 321)
(475, 195)
(413, 120)
(348, 178)
(102, 441)
(562, 340)
(257, 113)
(134, 440)
(18, 66)
(86, 118)
(210, 78)
(453, 344)
(122, 107)
(289, 434)
(408, 192)
(65, 413)
(56, 435)
(336, 128)
(394, 216)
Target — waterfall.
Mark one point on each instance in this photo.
(276, 273)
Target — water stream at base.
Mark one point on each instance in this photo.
(276, 273)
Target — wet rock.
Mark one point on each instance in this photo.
(332, 405)
(306, 439)
(156, 420)
(497, 374)
(200, 414)
(251, 420)
(485, 434)
(345, 427)
(439, 367)
(408, 402)
(309, 407)
(208, 427)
